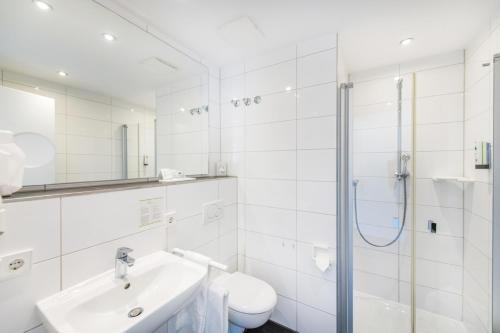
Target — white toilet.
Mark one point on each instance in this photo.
(251, 301)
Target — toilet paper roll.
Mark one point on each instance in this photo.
(322, 261)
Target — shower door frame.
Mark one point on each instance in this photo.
(496, 198)
(344, 212)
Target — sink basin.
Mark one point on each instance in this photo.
(159, 284)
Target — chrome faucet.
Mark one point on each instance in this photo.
(122, 261)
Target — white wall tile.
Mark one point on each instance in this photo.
(271, 249)
(273, 165)
(440, 109)
(92, 219)
(272, 193)
(275, 107)
(228, 190)
(440, 81)
(271, 79)
(320, 164)
(437, 137)
(271, 221)
(317, 197)
(272, 136)
(187, 199)
(316, 133)
(33, 225)
(317, 101)
(316, 228)
(317, 68)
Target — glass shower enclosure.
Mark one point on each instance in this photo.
(416, 197)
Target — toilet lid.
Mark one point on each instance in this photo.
(248, 294)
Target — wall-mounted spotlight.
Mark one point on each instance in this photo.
(257, 99)
(42, 5)
(247, 101)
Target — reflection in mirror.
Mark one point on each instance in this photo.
(91, 96)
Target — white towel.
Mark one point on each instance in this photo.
(216, 317)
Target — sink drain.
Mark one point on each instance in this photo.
(135, 312)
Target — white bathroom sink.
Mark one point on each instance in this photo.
(160, 284)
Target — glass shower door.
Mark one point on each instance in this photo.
(382, 158)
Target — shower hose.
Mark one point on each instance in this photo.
(401, 228)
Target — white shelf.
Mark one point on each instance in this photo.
(453, 179)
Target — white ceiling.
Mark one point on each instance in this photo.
(69, 38)
(370, 30)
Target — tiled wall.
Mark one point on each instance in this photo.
(74, 238)
(88, 131)
(385, 272)
(187, 142)
(478, 196)
(283, 152)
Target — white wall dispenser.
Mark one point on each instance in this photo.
(482, 155)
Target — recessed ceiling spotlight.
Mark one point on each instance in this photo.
(406, 42)
(42, 5)
(108, 37)
(62, 73)
(36, 88)
(132, 110)
(288, 88)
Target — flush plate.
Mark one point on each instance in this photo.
(213, 211)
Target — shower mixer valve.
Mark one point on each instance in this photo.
(402, 171)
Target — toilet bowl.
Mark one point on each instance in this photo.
(251, 301)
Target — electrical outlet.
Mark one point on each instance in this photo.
(213, 211)
(15, 264)
(170, 218)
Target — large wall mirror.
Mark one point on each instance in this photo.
(91, 96)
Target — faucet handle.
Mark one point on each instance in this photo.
(123, 252)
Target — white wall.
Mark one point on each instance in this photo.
(88, 131)
(478, 197)
(385, 272)
(283, 151)
(74, 238)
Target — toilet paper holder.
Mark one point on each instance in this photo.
(324, 252)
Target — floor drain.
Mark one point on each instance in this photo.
(135, 312)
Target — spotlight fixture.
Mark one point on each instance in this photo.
(406, 42)
(62, 73)
(108, 37)
(42, 5)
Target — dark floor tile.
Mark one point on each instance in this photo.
(270, 327)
